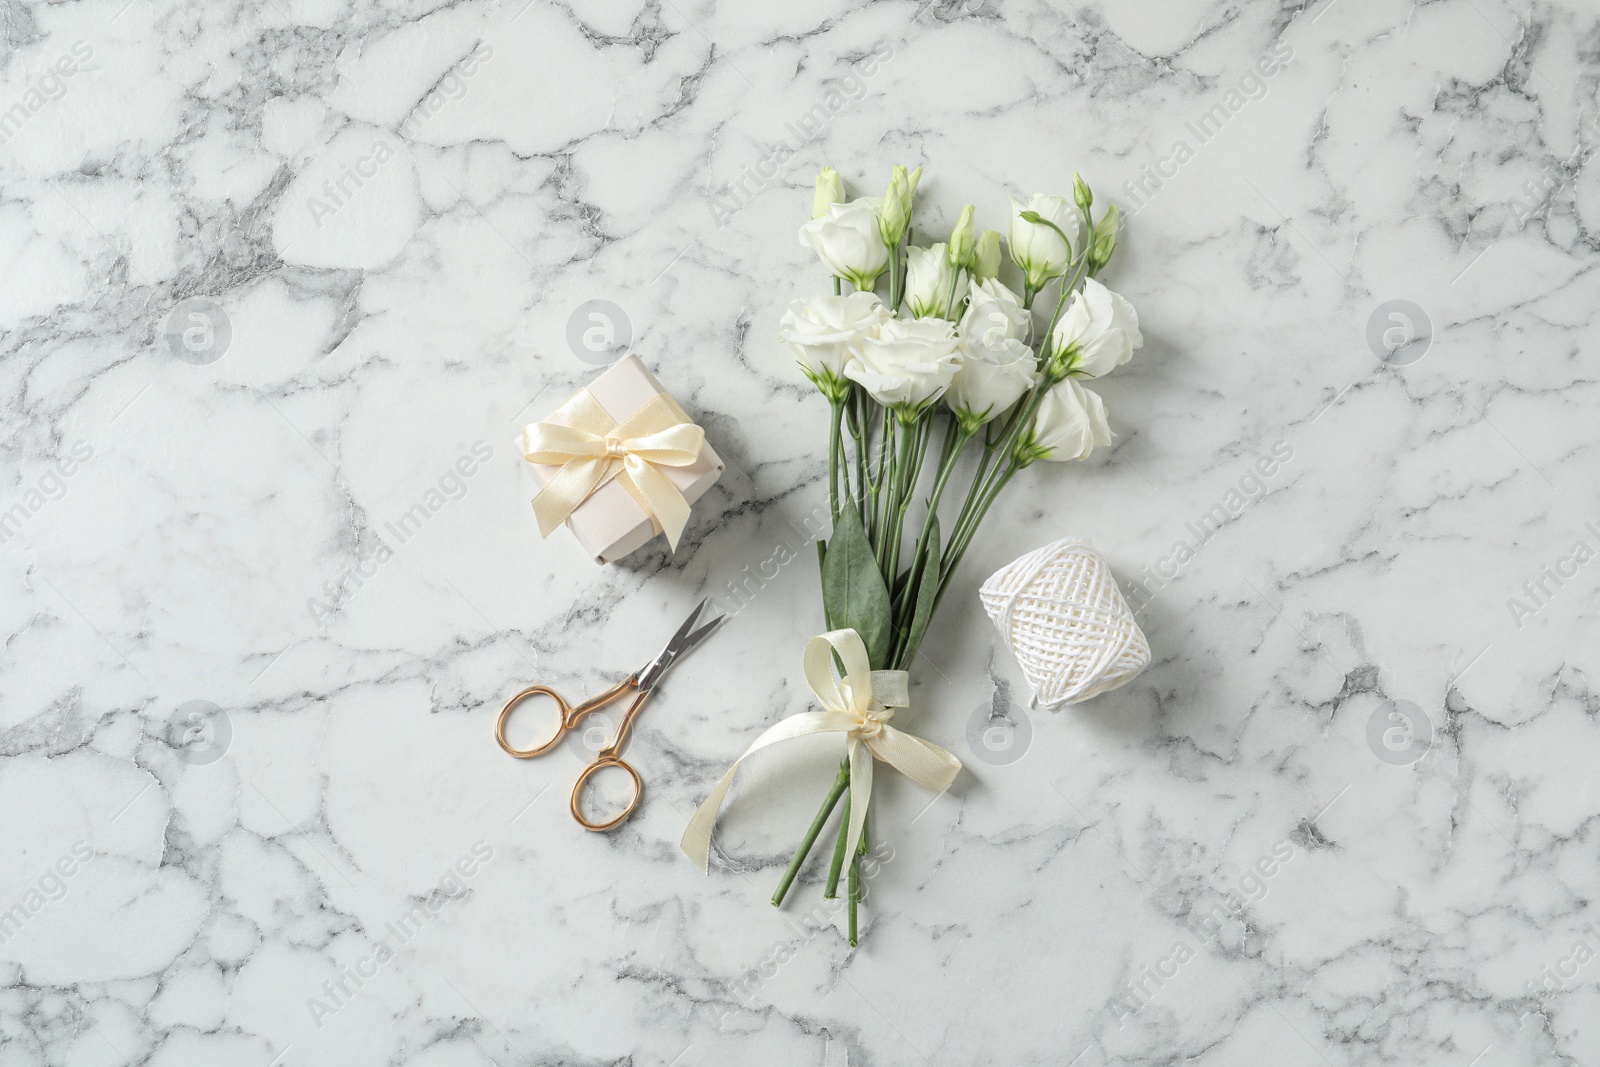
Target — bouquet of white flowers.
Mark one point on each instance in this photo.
(952, 353)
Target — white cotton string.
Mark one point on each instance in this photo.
(1059, 610)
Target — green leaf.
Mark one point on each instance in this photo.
(853, 594)
(927, 590)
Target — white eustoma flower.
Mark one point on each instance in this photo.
(905, 363)
(997, 366)
(1098, 331)
(847, 239)
(1070, 422)
(990, 379)
(990, 304)
(1035, 247)
(931, 283)
(822, 330)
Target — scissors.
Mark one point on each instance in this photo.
(643, 682)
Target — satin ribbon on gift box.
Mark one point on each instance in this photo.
(592, 448)
(858, 706)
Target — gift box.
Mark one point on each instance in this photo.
(616, 518)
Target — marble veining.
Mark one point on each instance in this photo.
(282, 281)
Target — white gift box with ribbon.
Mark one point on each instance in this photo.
(616, 486)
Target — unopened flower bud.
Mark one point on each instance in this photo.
(830, 191)
(963, 241)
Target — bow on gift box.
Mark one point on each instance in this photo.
(592, 448)
(858, 706)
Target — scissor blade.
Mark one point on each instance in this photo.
(682, 641)
(701, 634)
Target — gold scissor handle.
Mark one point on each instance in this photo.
(610, 756)
(569, 716)
(607, 759)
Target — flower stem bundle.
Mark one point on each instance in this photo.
(919, 344)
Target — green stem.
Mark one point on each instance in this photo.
(1069, 284)
(836, 460)
(987, 483)
(861, 433)
(1027, 409)
(854, 894)
(979, 481)
(950, 300)
(884, 492)
(863, 452)
(840, 783)
(998, 452)
(955, 441)
(855, 880)
(908, 465)
(831, 890)
(1020, 419)
(869, 520)
(959, 550)
(896, 277)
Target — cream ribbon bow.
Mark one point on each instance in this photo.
(860, 707)
(593, 448)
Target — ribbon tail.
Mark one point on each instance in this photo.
(571, 486)
(666, 503)
(696, 840)
(860, 796)
(921, 761)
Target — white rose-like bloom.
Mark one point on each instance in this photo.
(997, 367)
(991, 305)
(821, 331)
(1035, 247)
(928, 281)
(1070, 422)
(990, 379)
(905, 363)
(848, 240)
(1098, 331)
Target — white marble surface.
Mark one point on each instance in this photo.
(1427, 904)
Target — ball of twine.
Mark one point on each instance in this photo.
(1061, 613)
